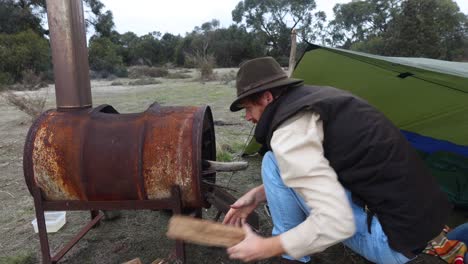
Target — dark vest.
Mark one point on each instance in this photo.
(372, 160)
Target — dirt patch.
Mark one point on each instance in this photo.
(136, 233)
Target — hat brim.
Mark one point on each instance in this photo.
(236, 106)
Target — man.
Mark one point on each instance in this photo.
(334, 170)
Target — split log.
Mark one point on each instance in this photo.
(134, 261)
(227, 166)
(159, 261)
(204, 232)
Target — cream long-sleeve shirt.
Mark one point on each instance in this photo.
(297, 146)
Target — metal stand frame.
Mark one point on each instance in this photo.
(173, 203)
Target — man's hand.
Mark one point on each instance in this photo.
(242, 208)
(254, 247)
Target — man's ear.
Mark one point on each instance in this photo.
(268, 97)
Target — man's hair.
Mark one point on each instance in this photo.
(276, 92)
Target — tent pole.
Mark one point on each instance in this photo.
(292, 54)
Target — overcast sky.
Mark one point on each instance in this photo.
(181, 16)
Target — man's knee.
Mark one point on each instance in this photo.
(268, 157)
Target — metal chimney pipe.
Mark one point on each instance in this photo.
(69, 54)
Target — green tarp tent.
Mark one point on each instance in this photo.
(427, 99)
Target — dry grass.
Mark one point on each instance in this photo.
(227, 77)
(31, 104)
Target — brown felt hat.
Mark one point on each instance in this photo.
(259, 75)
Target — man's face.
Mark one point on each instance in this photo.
(254, 110)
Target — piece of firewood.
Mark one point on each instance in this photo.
(159, 261)
(204, 232)
(134, 261)
(227, 166)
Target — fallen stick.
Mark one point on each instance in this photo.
(134, 261)
(204, 232)
(227, 166)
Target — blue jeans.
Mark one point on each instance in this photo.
(288, 210)
(460, 233)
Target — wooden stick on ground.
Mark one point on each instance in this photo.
(227, 166)
(134, 261)
(204, 232)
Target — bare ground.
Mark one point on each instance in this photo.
(136, 233)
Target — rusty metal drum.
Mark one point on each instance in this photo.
(97, 154)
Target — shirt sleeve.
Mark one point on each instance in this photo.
(297, 146)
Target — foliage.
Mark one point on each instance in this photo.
(17, 16)
(103, 22)
(195, 49)
(229, 152)
(104, 57)
(168, 44)
(136, 72)
(415, 28)
(204, 64)
(230, 46)
(224, 156)
(23, 43)
(427, 28)
(5, 79)
(104, 25)
(183, 47)
(147, 50)
(21, 15)
(359, 20)
(270, 19)
(20, 52)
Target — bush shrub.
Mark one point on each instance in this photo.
(20, 52)
(227, 77)
(178, 75)
(136, 72)
(117, 83)
(105, 59)
(31, 81)
(32, 105)
(147, 81)
(6, 78)
(204, 64)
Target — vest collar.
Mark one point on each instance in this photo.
(264, 129)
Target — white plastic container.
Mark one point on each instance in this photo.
(54, 221)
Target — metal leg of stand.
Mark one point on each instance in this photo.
(180, 245)
(95, 213)
(41, 226)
